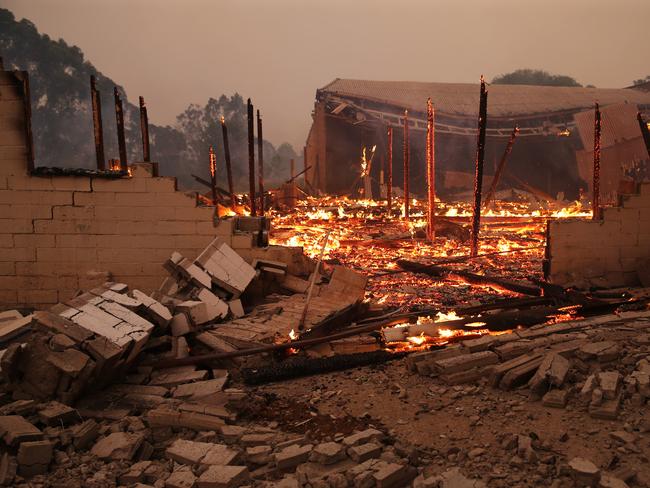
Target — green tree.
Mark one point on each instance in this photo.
(534, 77)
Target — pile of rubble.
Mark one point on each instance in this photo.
(598, 361)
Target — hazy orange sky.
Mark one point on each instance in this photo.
(175, 52)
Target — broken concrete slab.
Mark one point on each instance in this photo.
(327, 453)
(223, 477)
(118, 446)
(14, 430)
(292, 456)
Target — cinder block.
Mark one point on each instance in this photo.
(636, 201)
(134, 200)
(18, 254)
(161, 184)
(193, 241)
(95, 226)
(73, 183)
(174, 199)
(3, 182)
(17, 226)
(34, 240)
(8, 299)
(119, 185)
(85, 255)
(193, 213)
(69, 212)
(94, 198)
(13, 137)
(176, 227)
(64, 268)
(6, 240)
(25, 211)
(136, 228)
(7, 268)
(242, 241)
(36, 197)
(141, 170)
(73, 240)
(134, 213)
(15, 166)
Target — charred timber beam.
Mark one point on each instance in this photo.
(98, 130)
(251, 157)
(500, 168)
(406, 165)
(144, 131)
(206, 358)
(431, 172)
(389, 171)
(226, 150)
(121, 140)
(299, 367)
(260, 158)
(437, 271)
(643, 125)
(292, 169)
(595, 204)
(478, 175)
(299, 174)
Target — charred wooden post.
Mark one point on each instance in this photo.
(643, 125)
(144, 130)
(260, 162)
(226, 151)
(251, 157)
(98, 130)
(431, 172)
(293, 169)
(595, 204)
(121, 141)
(500, 167)
(389, 171)
(478, 176)
(406, 165)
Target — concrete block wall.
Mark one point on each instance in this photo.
(63, 234)
(610, 252)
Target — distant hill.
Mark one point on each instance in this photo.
(62, 116)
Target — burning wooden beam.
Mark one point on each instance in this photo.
(251, 157)
(213, 176)
(121, 141)
(501, 167)
(595, 204)
(389, 171)
(226, 151)
(260, 157)
(144, 130)
(478, 176)
(98, 130)
(431, 172)
(406, 165)
(643, 125)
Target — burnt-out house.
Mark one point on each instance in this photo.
(549, 156)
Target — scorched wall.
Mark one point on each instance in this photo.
(614, 251)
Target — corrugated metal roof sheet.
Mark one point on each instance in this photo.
(461, 99)
(617, 123)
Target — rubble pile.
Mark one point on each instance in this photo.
(597, 360)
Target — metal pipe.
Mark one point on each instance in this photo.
(98, 131)
(251, 158)
(595, 204)
(121, 141)
(431, 172)
(260, 162)
(500, 167)
(406, 165)
(389, 171)
(226, 150)
(478, 176)
(144, 130)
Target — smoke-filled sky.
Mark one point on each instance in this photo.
(278, 52)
